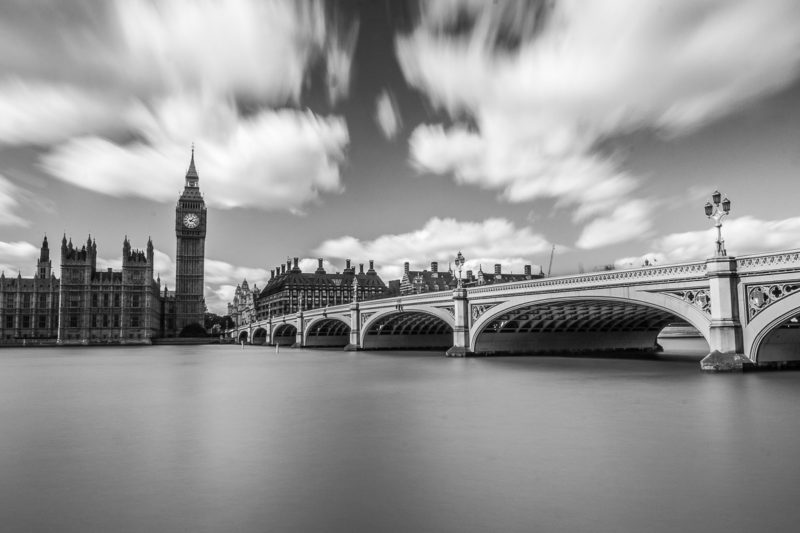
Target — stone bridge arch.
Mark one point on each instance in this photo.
(242, 337)
(259, 336)
(407, 328)
(592, 320)
(773, 333)
(327, 331)
(284, 334)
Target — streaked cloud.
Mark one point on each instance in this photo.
(10, 195)
(120, 92)
(494, 240)
(533, 89)
(258, 49)
(387, 114)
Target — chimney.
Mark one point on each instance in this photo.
(361, 268)
(434, 266)
(294, 261)
(527, 270)
(319, 270)
(283, 269)
(371, 267)
(406, 268)
(469, 274)
(347, 262)
(271, 274)
(497, 269)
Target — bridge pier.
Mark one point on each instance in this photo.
(461, 347)
(725, 331)
(299, 334)
(355, 329)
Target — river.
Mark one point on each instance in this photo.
(220, 438)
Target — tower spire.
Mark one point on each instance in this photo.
(191, 174)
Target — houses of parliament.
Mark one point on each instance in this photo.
(90, 306)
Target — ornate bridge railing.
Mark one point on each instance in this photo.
(682, 272)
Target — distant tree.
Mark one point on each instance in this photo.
(211, 320)
(193, 330)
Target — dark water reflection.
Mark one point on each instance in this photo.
(224, 439)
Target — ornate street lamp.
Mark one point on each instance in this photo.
(717, 211)
(459, 265)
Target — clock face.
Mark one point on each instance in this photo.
(191, 220)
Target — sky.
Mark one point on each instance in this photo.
(395, 130)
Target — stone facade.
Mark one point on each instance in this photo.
(96, 307)
(290, 290)
(29, 306)
(243, 308)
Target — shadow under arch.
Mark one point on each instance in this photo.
(404, 330)
(773, 336)
(576, 325)
(284, 335)
(242, 337)
(327, 332)
(259, 336)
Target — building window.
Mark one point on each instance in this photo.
(116, 300)
(105, 300)
(42, 321)
(134, 321)
(10, 321)
(10, 300)
(105, 320)
(26, 321)
(135, 300)
(94, 299)
(116, 321)
(73, 321)
(42, 301)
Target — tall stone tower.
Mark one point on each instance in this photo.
(44, 267)
(190, 230)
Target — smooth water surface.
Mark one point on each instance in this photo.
(219, 438)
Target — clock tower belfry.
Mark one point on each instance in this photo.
(190, 230)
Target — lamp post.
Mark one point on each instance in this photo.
(459, 265)
(717, 211)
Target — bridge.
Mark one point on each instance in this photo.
(747, 308)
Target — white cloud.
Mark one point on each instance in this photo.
(18, 257)
(742, 235)
(387, 115)
(541, 85)
(628, 221)
(495, 240)
(272, 160)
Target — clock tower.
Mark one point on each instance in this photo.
(190, 230)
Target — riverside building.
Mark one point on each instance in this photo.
(290, 290)
(422, 281)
